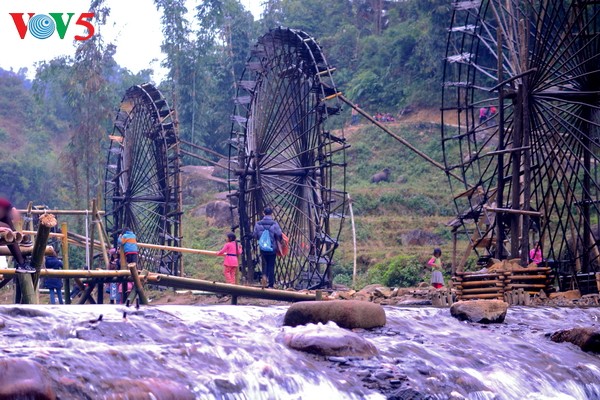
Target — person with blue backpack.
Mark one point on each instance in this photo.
(268, 233)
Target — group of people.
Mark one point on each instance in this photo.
(269, 235)
(384, 117)
(487, 113)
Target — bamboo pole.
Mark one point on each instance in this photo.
(137, 283)
(225, 288)
(58, 212)
(51, 234)
(178, 249)
(96, 222)
(7, 236)
(400, 139)
(64, 241)
(25, 250)
(27, 291)
(90, 230)
(46, 223)
(353, 242)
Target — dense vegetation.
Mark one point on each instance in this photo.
(388, 57)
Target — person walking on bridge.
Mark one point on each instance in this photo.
(268, 233)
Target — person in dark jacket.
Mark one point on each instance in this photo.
(54, 285)
(276, 235)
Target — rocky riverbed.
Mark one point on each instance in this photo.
(222, 351)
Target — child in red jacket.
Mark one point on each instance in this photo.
(231, 250)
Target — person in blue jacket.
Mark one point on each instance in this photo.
(128, 241)
(54, 285)
(276, 235)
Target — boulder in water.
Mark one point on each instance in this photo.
(588, 339)
(24, 379)
(328, 340)
(349, 314)
(482, 311)
(151, 388)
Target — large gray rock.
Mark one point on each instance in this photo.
(348, 314)
(23, 380)
(328, 340)
(588, 339)
(218, 213)
(482, 311)
(148, 389)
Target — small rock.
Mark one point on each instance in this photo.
(226, 386)
(362, 373)
(383, 375)
(328, 340)
(383, 292)
(2, 324)
(150, 388)
(341, 360)
(348, 314)
(482, 311)
(588, 339)
(407, 394)
(24, 379)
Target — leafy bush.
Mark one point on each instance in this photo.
(400, 271)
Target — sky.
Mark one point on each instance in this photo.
(133, 25)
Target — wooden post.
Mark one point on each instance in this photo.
(97, 223)
(64, 229)
(500, 178)
(46, 223)
(137, 283)
(90, 260)
(353, 242)
(454, 250)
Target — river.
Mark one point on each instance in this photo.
(233, 352)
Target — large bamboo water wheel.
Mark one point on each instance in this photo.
(283, 156)
(529, 167)
(142, 187)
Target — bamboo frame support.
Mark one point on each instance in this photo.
(137, 283)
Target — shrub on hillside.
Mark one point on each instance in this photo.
(400, 271)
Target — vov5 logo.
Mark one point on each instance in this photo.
(42, 26)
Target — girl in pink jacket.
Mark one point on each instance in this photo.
(231, 250)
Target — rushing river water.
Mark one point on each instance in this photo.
(232, 352)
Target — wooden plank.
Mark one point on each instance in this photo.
(484, 290)
(526, 277)
(511, 211)
(481, 296)
(526, 286)
(481, 283)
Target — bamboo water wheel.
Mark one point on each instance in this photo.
(142, 184)
(529, 165)
(283, 156)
